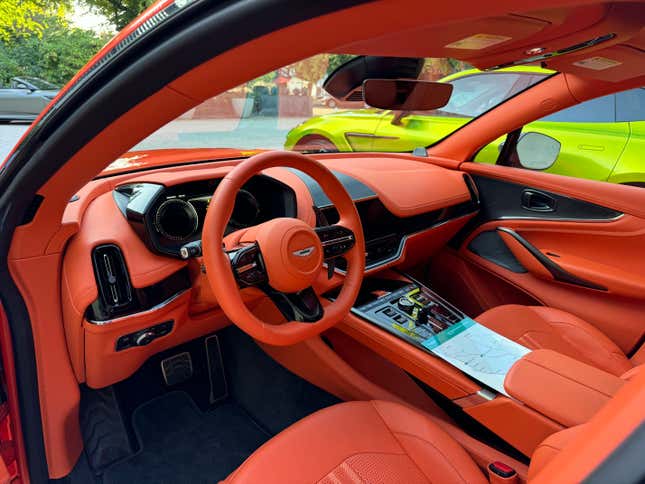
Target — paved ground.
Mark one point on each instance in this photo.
(9, 136)
(247, 133)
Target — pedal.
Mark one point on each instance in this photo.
(177, 369)
(216, 375)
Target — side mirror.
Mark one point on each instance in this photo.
(406, 94)
(537, 151)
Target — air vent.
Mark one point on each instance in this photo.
(112, 279)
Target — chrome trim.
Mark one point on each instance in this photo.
(369, 135)
(159, 306)
(345, 238)
(355, 200)
(246, 267)
(487, 394)
(555, 219)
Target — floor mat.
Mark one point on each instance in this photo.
(181, 444)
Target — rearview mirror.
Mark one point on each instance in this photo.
(406, 94)
(537, 151)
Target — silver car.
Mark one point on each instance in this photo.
(25, 98)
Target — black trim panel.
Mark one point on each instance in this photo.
(356, 189)
(503, 200)
(558, 273)
(490, 246)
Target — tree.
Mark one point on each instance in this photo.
(118, 12)
(337, 60)
(312, 69)
(56, 55)
(26, 18)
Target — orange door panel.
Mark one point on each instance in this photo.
(576, 245)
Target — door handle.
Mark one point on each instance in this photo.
(537, 201)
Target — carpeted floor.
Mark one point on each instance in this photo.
(181, 444)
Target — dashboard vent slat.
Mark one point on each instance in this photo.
(112, 279)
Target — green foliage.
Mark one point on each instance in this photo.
(118, 12)
(27, 18)
(337, 60)
(55, 56)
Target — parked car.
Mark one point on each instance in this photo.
(600, 139)
(25, 98)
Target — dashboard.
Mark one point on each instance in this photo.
(128, 294)
(166, 218)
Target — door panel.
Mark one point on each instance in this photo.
(584, 256)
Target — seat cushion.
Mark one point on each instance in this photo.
(539, 327)
(357, 442)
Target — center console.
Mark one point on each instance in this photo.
(482, 372)
(406, 309)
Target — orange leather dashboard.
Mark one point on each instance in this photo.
(403, 186)
(97, 220)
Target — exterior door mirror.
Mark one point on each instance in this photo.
(537, 151)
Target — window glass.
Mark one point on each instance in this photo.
(289, 109)
(590, 140)
(630, 105)
(599, 110)
(474, 95)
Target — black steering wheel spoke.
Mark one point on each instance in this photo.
(302, 306)
(248, 266)
(336, 240)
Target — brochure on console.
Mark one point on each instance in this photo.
(477, 351)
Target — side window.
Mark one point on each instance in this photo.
(590, 140)
(630, 105)
(476, 94)
(599, 110)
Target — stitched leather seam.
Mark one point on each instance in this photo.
(395, 435)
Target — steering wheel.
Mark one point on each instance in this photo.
(282, 257)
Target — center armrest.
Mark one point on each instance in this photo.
(559, 387)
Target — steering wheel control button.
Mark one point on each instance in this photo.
(336, 240)
(248, 266)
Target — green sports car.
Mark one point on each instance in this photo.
(601, 139)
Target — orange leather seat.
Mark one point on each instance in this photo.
(361, 442)
(539, 327)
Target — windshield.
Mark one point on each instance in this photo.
(288, 109)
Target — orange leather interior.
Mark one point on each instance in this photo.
(361, 442)
(388, 442)
(559, 387)
(402, 188)
(519, 425)
(551, 447)
(35, 257)
(606, 252)
(352, 371)
(522, 254)
(432, 370)
(540, 327)
(218, 264)
(594, 441)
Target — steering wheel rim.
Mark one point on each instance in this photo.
(218, 263)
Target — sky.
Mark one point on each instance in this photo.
(84, 18)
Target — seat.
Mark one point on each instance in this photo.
(359, 442)
(539, 327)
